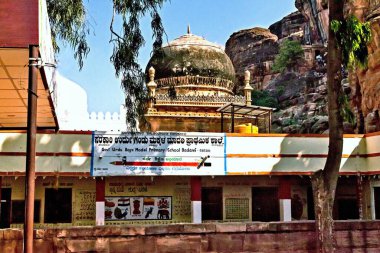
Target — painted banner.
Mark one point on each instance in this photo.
(158, 154)
(138, 208)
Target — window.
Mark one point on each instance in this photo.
(212, 203)
(18, 211)
(237, 208)
(58, 205)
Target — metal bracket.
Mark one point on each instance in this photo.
(40, 63)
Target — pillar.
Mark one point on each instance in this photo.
(359, 194)
(30, 160)
(100, 201)
(284, 196)
(196, 201)
(247, 89)
(152, 89)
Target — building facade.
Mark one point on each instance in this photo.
(188, 169)
(255, 177)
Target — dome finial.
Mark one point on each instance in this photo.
(188, 29)
(152, 72)
(247, 76)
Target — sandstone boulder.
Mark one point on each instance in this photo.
(254, 50)
(290, 26)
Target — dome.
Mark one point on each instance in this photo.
(192, 55)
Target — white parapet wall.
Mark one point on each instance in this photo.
(66, 153)
(280, 153)
(72, 110)
(373, 152)
(266, 154)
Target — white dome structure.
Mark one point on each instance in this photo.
(72, 109)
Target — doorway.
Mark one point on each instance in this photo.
(310, 204)
(376, 193)
(265, 204)
(212, 203)
(58, 205)
(5, 212)
(346, 209)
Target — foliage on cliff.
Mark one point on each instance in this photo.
(353, 37)
(290, 53)
(263, 98)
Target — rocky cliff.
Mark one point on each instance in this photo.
(254, 50)
(301, 95)
(366, 83)
(290, 26)
(365, 95)
(315, 13)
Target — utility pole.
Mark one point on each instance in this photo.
(31, 149)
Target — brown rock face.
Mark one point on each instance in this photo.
(365, 98)
(297, 96)
(302, 103)
(366, 83)
(316, 16)
(254, 50)
(290, 26)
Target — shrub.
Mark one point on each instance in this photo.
(263, 98)
(290, 53)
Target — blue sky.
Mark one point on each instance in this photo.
(215, 20)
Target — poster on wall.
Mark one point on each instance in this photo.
(299, 203)
(166, 153)
(138, 208)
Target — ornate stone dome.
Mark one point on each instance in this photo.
(192, 55)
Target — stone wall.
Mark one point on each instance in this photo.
(352, 236)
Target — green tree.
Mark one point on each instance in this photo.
(290, 54)
(344, 47)
(263, 98)
(69, 25)
(352, 37)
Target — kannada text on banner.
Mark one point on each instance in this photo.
(158, 154)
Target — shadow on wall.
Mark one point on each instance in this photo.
(55, 152)
(309, 155)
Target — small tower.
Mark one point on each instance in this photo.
(247, 89)
(152, 89)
